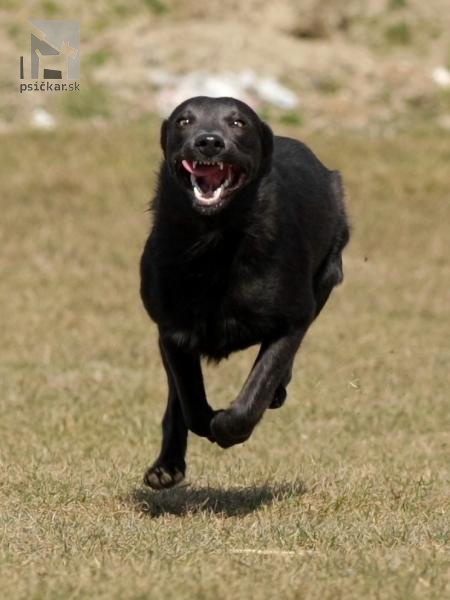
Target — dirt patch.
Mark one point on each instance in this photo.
(359, 65)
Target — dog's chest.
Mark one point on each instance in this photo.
(218, 307)
(216, 335)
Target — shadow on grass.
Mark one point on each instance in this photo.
(184, 500)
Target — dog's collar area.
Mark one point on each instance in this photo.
(211, 181)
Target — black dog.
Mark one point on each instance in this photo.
(245, 249)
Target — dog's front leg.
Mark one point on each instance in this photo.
(170, 466)
(185, 368)
(235, 425)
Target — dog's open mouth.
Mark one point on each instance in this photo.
(212, 181)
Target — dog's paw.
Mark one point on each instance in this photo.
(228, 430)
(161, 477)
(279, 397)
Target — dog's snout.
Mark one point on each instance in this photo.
(209, 144)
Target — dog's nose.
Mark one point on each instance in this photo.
(209, 144)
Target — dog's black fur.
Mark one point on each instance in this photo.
(255, 267)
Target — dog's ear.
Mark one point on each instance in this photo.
(266, 145)
(163, 136)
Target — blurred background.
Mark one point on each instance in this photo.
(369, 65)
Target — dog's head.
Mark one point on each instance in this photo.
(214, 147)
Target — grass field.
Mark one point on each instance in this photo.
(343, 493)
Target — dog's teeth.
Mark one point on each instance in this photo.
(209, 163)
(217, 193)
(193, 181)
(194, 164)
(198, 194)
(205, 200)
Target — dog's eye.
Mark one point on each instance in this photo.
(184, 121)
(238, 123)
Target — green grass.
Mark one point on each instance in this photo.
(397, 4)
(290, 118)
(398, 34)
(91, 100)
(343, 493)
(157, 6)
(98, 59)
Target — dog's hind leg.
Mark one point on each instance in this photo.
(170, 466)
(328, 277)
(281, 392)
(185, 369)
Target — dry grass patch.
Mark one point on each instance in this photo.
(341, 494)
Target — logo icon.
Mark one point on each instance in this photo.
(53, 44)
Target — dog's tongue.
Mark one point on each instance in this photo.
(212, 174)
